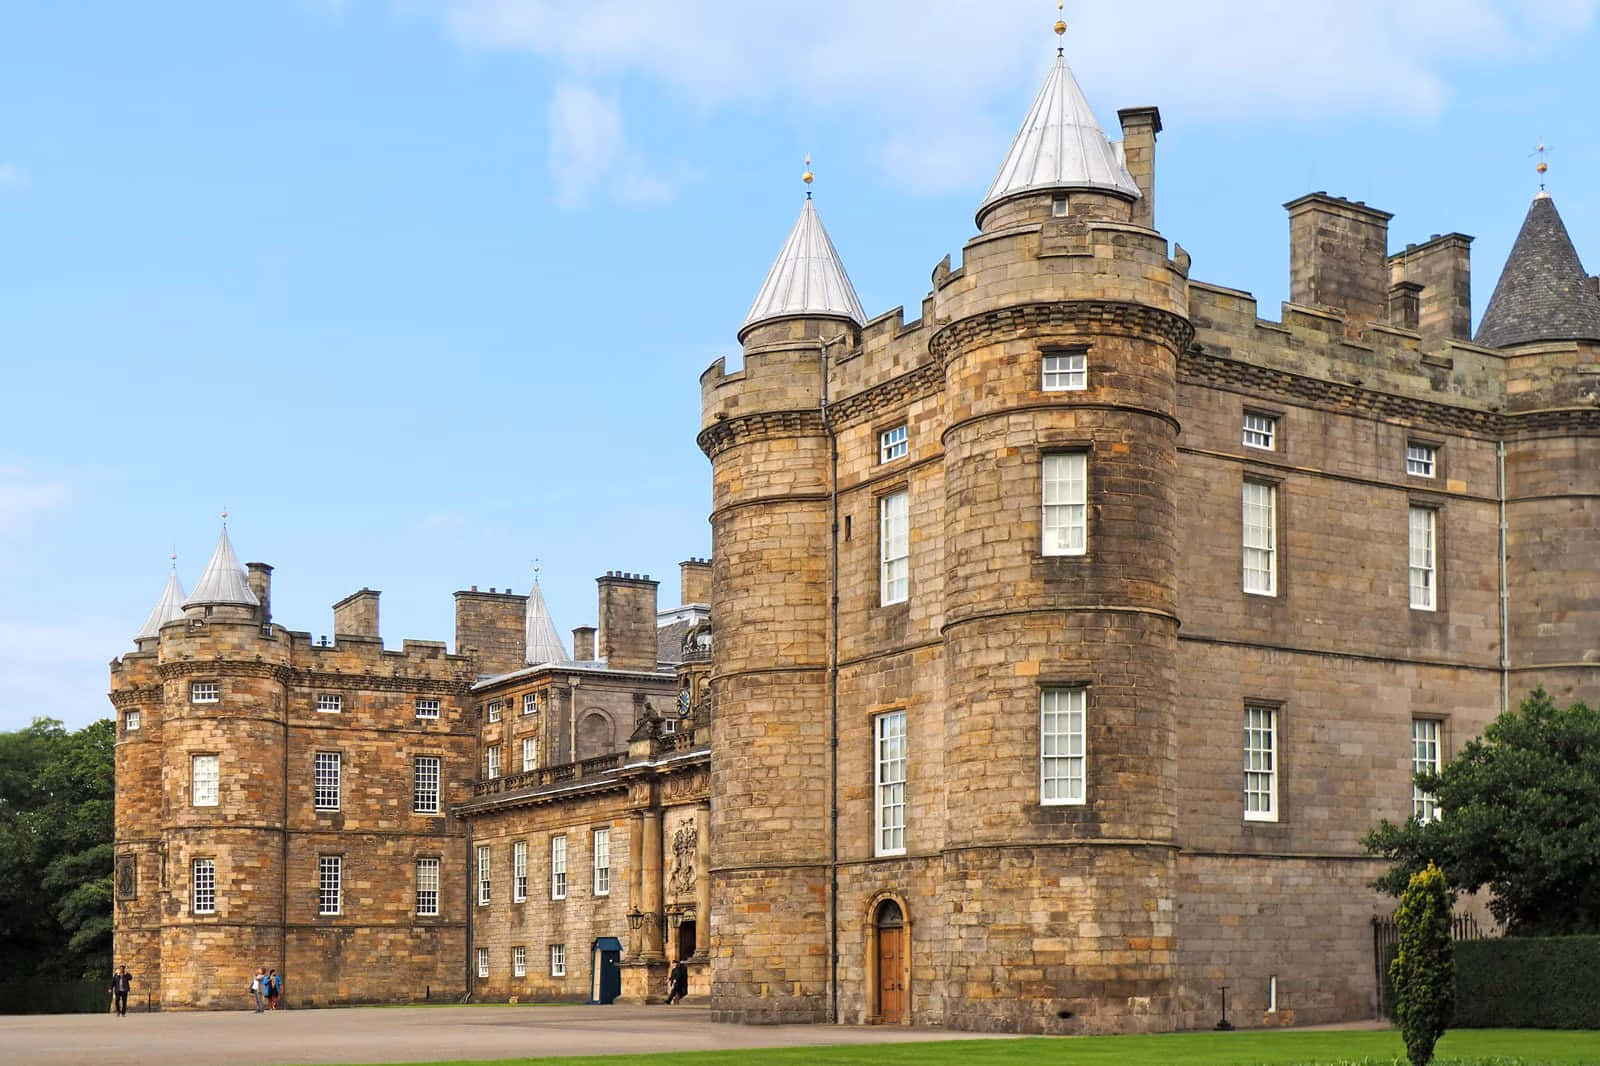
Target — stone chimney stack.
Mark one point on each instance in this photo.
(259, 577)
(357, 616)
(694, 579)
(1139, 128)
(583, 644)
(1442, 266)
(492, 628)
(1338, 257)
(627, 637)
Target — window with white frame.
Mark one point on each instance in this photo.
(1424, 562)
(519, 870)
(1066, 371)
(204, 692)
(602, 862)
(892, 444)
(1062, 745)
(491, 761)
(1260, 764)
(1066, 521)
(1260, 538)
(1260, 431)
(530, 754)
(1424, 760)
(483, 962)
(483, 874)
(330, 884)
(530, 702)
(203, 886)
(519, 961)
(330, 703)
(889, 783)
(558, 867)
(1421, 459)
(493, 710)
(203, 780)
(130, 721)
(425, 784)
(427, 708)
(894, 547)
(325, 783)
(558, 960)
(427, 888)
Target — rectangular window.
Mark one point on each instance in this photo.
(203, 778)
(1420, 459)
(427, 708)
(519, 961)
(1260, 764)
(530, 702)
(330, 704)
(1424, 590)
(602, 862)
(425, 784)
(427, 888)
(558, 867)
(130, 721)
(1061, 745)
(326, 781)
(1260, 431)
(203, 886)
(892, 444)
(483, 962)
(519, 870)
(204, 692)
(483, 874)
(558, 960)
(894, 539)
(1066, 371)
(1424, 760)
(889, 783)
(530, 754)
(1260, 538)
(491, 761)
(494, 710)
(1066, 521)
(330, 883)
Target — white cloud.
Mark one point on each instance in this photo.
(25, 498)
(12, 176)
(590, 153)
(929, 79)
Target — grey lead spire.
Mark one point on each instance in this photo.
(807, 280)
(224, 581)
(168, 608)
(544, 643)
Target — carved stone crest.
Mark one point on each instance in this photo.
(127, 877)
(684, 843)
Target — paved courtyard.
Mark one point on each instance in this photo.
(402, 1034)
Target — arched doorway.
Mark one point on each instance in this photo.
(889, 925)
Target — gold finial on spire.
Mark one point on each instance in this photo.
(224, 514)
(536, 571)
(807, 177)
(1542, 167)
(1060, 26)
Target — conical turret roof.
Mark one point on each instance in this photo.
(1060, 146)
(1543, 293)
(544, 643)
(167, 608)
(223, 582)
(807, 279)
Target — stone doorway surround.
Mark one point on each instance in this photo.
(888, 962)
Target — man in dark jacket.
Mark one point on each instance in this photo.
(121, 981)
(677, 982)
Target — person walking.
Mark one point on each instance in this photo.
(258, 988)
(677, 982)
(121, 981)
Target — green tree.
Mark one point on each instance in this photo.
(1520, 813)
(1424, 969)
(56, 825)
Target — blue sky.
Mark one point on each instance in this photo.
(420, 289)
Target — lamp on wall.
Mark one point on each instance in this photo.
(636, 919)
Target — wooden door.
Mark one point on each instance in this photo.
(891, 974)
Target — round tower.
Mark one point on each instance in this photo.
(1059, 339)
(223, 767)
(764, 432)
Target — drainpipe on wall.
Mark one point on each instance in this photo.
(467, 900)
(283, 853)
(833, 691)
(1505, 597)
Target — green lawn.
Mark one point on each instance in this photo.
(1466, 1047)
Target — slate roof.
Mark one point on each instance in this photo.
(1543, 294)
(807, 279)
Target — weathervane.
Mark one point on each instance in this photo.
(536, 571)
(1060, 28)
(1543, 166)
(808, 176)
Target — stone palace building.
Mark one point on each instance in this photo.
(1068, 637)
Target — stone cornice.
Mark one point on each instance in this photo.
(925, 380)
(1086, 317)
(428, 686)
(765, 425)
(181, 668)
(135, 696)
